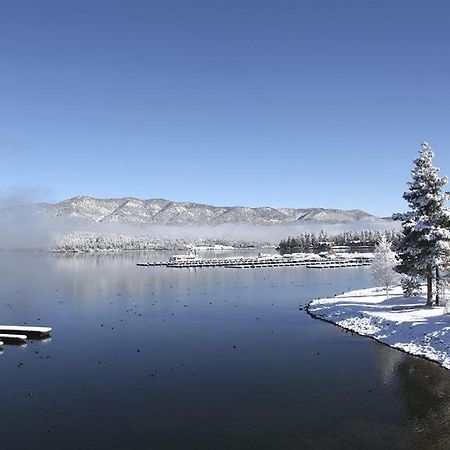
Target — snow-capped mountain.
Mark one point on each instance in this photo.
(165, 212)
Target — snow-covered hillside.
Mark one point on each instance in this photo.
(165, 212)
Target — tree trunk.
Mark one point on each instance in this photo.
(438, 282)
(429, 288)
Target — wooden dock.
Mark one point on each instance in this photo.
(14, 337)
(152, 264)
(338, 264)
(18, 334)
(25, 330)
(260, 262)
(237, 263)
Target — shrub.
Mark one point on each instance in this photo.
(410, 286)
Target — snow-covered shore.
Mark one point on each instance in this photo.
(79, 242)
(402, 323)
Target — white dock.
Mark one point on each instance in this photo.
(256, 262)
(25, 330)
(13, 337)
(232, 262)
(338, 264)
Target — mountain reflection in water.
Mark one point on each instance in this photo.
(197, 359)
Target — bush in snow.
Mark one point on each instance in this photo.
(384, 263)
(410, 286)
(444, 292)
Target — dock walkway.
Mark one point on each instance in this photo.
(18, 334)
(257, 262)
(25, 330)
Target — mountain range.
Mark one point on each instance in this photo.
(165, 212)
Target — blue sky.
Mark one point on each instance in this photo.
(281, 103)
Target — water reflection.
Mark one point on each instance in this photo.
(424, 389)
(208, 358)
(388, 361)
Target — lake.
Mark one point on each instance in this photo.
(213, 358)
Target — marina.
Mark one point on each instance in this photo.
(311, 261)
(338, 264)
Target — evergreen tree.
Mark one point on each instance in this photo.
(424, 247)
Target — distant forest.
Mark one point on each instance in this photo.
(104, 242)
(307, 242)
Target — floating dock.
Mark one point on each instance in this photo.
(259, 262)
(337, 264)
(18, 334)
(14, 337)
(25, 330)
(152, 264)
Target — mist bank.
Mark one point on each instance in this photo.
(26, 229)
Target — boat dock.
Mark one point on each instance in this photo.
(14, 337)
(152, 264)
(338, 264)
(24, 331)
(306, 263)
(18, 334)
(259, 262)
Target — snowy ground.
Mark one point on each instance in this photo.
(403, 323)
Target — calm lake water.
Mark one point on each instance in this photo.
(158, 358)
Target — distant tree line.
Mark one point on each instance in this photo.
(108, 242)
(307, 242)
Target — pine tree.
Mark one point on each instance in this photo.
(384, 264)
(424, 247)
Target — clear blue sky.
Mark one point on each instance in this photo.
(281, 103)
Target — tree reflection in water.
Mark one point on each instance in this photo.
(424, 391)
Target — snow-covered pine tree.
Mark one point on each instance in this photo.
(384, 264)
(424, 247)
(440, 238)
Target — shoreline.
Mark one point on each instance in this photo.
(404, 324)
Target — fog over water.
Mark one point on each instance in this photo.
(25, 229)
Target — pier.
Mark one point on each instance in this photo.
(337, 264)
(152, 264)
(25, 331)
(13, 337)
(18, 334)
(313, 262)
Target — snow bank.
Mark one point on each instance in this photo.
(400, 322)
